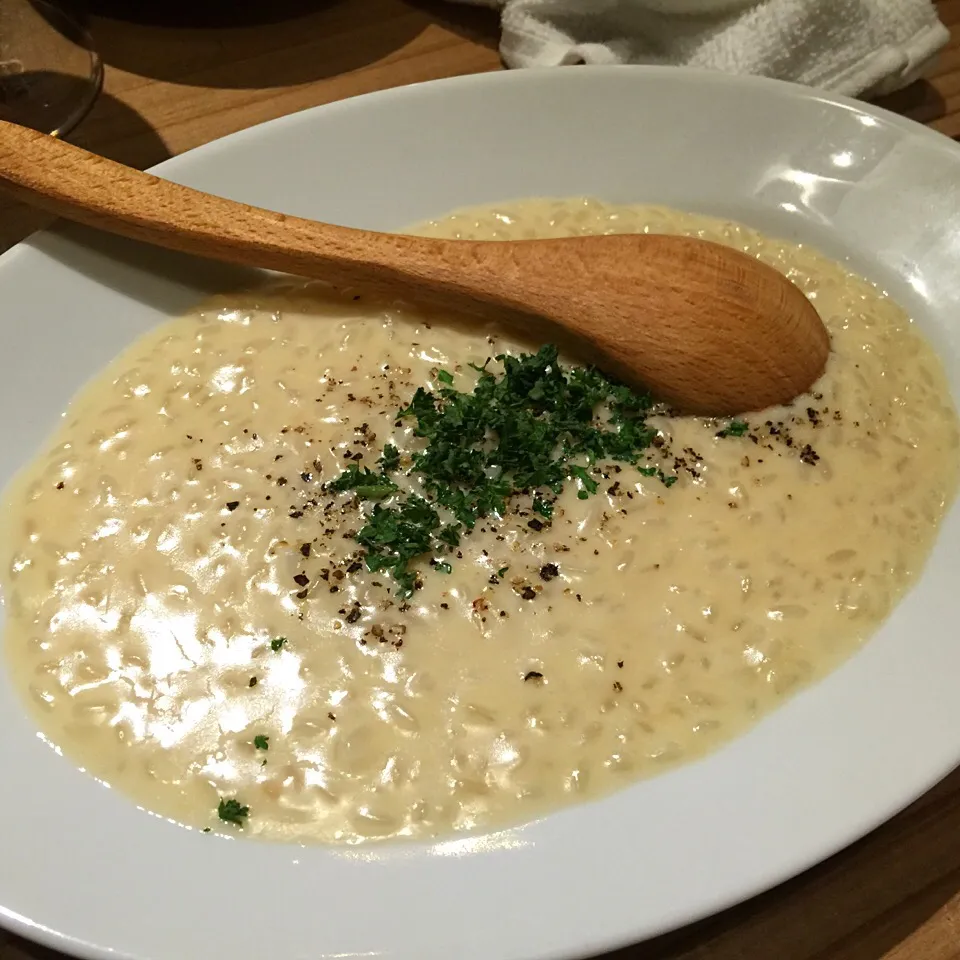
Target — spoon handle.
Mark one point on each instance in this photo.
(72, 183)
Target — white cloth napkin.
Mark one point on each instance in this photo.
(848, 46)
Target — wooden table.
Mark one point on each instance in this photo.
(173, 83)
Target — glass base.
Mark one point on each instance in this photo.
(50, 75)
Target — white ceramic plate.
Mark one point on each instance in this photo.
(84, 870)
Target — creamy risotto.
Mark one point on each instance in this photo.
(191, 615)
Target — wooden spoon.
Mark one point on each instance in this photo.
(706, 328)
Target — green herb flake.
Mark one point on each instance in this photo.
(735, 428)
(543, 507)
(449, 535)
(364, 483)
(389, 459)
(232, 811)
(444, 376)
(589, 484)
(261, 742)
(443, 566)
(276, 644)
(394, 536)
(502, 571)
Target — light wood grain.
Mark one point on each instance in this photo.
(895, 895)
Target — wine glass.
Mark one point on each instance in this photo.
(50, 74)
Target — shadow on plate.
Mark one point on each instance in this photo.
(240, 44)
(858, 905)
(168, 282)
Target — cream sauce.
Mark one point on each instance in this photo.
(150, 555)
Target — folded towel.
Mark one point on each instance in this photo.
(865, 47)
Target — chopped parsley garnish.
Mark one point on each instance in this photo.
(667, 481)
(543, 507)
(389, 459)
(443, 566)
(396, 535)
(450, 535)
(261, 742)
(277, 643)
(589, 484)
(735, 428)
(364, 482)
(525, 432)
(232, 811)
(502, 571)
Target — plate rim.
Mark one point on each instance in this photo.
(169, 168)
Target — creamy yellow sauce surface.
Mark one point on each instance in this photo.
(179, 585)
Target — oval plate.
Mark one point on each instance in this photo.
(89, 873)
